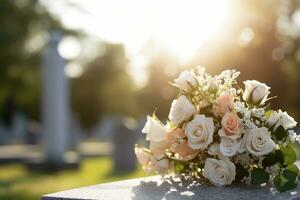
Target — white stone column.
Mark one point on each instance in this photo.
(55, 102)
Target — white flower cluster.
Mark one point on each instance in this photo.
(213, 123)
(240, 107)
(293, 136)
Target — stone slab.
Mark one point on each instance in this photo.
(154, 187)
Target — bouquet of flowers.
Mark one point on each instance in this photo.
(222, 133)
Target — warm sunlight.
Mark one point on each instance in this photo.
(180, 27)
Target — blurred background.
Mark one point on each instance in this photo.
(77, 78)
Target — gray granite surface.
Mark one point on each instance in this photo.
(155, 188)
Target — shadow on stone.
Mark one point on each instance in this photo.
(175, 189)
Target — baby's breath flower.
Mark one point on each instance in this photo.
(258, 112)
(249, 124)
(292, 135)
(240, 107)
(247, 115)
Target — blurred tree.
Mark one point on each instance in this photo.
(251, 45)
(288, 30)
(158, 94)
(23, 32)
(248, 46)
(105, 87)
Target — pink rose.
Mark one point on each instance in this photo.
(224, 104)
(179, 145)
(172, 136)
(142, 155)
(158, 148)
(152, 163)
(183, 151)
(231, 127)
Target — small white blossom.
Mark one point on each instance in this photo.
(292, 135)
(298, 138)
(232, 91)
(249, 124)
(240, 107)
(247, 116)
(272, 170)
(258, 112)
(257, 122)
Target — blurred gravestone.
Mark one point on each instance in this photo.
(55, 104)
(76, 132)
(124, 139)
(4, 133)
(105, 127)
(19, 126)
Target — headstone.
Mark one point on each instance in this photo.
(4, 133)
(76, 132)
(19, 126)
(105, 127)
(124, 139)
(55, 102)
(154, 188)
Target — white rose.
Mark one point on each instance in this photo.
(185, 79)
(280, 118)
(154, 129)
(286, 121)
(273, 118)
(255, 92)
(229, 147)
(258, 141)
(200, 132)
(181, 109)
(219, 172)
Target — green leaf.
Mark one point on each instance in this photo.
(282, 184)
(179, 168)
(289, 154)
(279, 156)
(273, 158)
(241, 172)
(291, 172)
(280, 133)
(259, 176)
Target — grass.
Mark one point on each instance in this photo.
(17, 182)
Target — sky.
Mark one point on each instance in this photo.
(181, 27)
